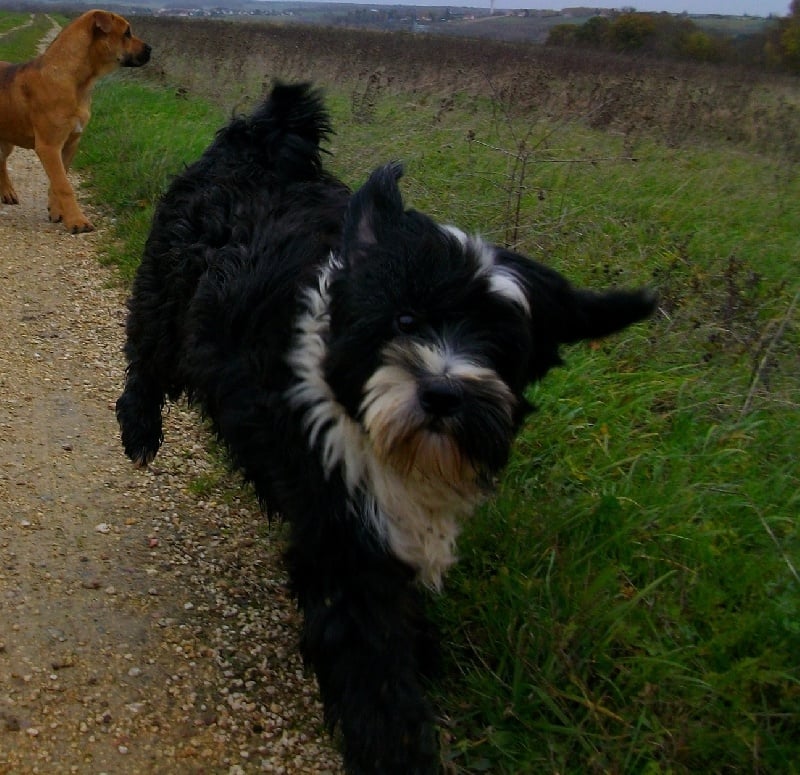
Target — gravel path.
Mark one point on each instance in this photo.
(144, 621)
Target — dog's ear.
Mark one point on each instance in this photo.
(372, 211)
(593, 315)
(562, 314)
(103, 21)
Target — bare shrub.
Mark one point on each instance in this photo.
(232, 63)
(364, 96)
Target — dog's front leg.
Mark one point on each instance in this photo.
(7, 194)
(62, 204)
(371, 646)
(139, 416)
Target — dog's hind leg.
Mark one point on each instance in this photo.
(7, 194)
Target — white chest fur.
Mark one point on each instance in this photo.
(416, 516)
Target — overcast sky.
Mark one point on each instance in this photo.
(725, 7)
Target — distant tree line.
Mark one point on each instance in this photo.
(678, 37)
(783, 44)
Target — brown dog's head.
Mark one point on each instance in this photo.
(113, 43)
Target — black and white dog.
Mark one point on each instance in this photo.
(366, 368)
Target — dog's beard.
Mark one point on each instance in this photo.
(402, 435)
(448, 447)
(429, 470)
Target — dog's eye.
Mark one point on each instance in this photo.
(405, 323)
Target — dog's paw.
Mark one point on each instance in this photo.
(143, 461)
(9, 197)
(139, 453)
(140, 428)
(82, 227)
(78, 224)
(139, 446)
(392, 745)
(53, 212)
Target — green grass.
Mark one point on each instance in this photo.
(10, 20)
(138, 139)
(630, 601)
(20, 45)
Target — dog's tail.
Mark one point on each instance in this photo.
(283, 135)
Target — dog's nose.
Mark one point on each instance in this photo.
(442, 398)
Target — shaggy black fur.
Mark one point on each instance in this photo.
(366, 368)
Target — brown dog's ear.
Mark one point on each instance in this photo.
(103, 21)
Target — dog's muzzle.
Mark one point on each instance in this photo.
(137, 59)
(440, 398)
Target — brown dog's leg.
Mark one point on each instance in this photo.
(7, 194)
(62, 204)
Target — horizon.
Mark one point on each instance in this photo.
(760, 8)
(757, 8)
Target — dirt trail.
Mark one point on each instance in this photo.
(144, 627)
(28, 23)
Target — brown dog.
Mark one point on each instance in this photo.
(45, 104)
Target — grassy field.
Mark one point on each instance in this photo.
(10, 20)
(18, 40)
(630, 602)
